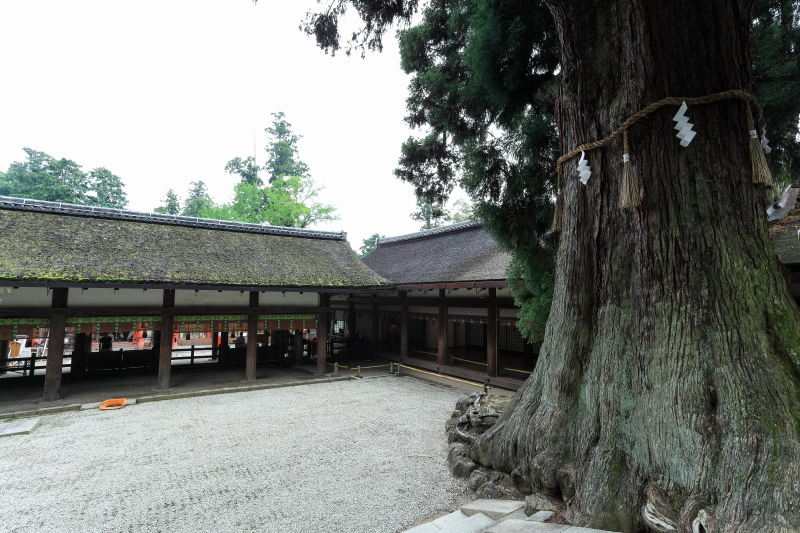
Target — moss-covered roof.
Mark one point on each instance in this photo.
(461, 252)
(784, 237)
(57, 247)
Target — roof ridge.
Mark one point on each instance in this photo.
(63, 208)
(469, 224)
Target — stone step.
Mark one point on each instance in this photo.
(456, 522)
(494, 509)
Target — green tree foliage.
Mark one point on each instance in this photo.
(463, 211)
(369, 244)
(42, 177)
(431, 214)
(170, 204)
(246, 169)
(108, 188)
(198, 200)
(282, 150)
(290, 197)
(484, 77)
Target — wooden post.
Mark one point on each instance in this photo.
(79, 355)
(165, 341)
(441, 354)
(214, 342)
(322, 334)
(351, 327)
(252, 338)
(165, 350)
(55, 357)
(298, 348)
(3, 355)
(375, 330)
(404, 325)
(224, 347)
(191, 356)
(491, 335)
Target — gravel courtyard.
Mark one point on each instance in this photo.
(364, 455)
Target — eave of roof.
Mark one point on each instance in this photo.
(41, 246)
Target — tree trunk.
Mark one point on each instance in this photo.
(666, 392)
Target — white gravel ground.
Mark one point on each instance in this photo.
(367, 455)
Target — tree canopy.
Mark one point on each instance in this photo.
(43, 177)
(290, 197)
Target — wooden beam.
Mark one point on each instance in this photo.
(491, 335)
(165, 351)
(29, 312)
(404, 325)
(60, 298)
(322, 334)
(252, 347)
(441, 354)
(375, 330)
(55, 358)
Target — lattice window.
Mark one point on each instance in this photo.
(363, 307)
(468, 311)
(474, 334)
(423, 309)
(509, 338)
(509, 313)
(339, 321)
(389, 308)
(364, 325)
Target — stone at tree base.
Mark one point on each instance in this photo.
(539, 502)
(463, 467)
(450, 424)
(464, 403)
(454, 436)
(494, 509)
(525, 526)
(521, 481)
(455, 451)
(540, 516)
(491, 491)
(484, 422)
(476, 479)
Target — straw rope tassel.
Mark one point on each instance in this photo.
(761, 173)
(629, 188)
(558, 216)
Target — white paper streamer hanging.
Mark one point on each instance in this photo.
(583, 169)
(764, 141)
(685, 133)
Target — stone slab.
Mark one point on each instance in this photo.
(494, 509)
(473, 524)
(427, 527)
(19, 427)
(526, 526)
(540, 516)
(93, 405)
(450, 520)
(576, 529)
(59, 409)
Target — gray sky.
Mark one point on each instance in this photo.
(166, 92)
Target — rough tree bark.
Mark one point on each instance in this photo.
(666, 395)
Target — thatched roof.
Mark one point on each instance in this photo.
(461, 252)
(51, 242)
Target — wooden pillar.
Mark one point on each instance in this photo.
(165, 351)
(3, 355)
(55, 357)
(441, 354)
(252, 347)
(252, 338)
(375, 330)
(491, 335)
(79, 355)
(351, 327)
(404, 325)
(165, 341)
(214, 341)
(322, 334)
(223, 348)
(298, 348)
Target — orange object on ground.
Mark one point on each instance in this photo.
(112, 404)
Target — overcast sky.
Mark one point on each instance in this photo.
(163, 93)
